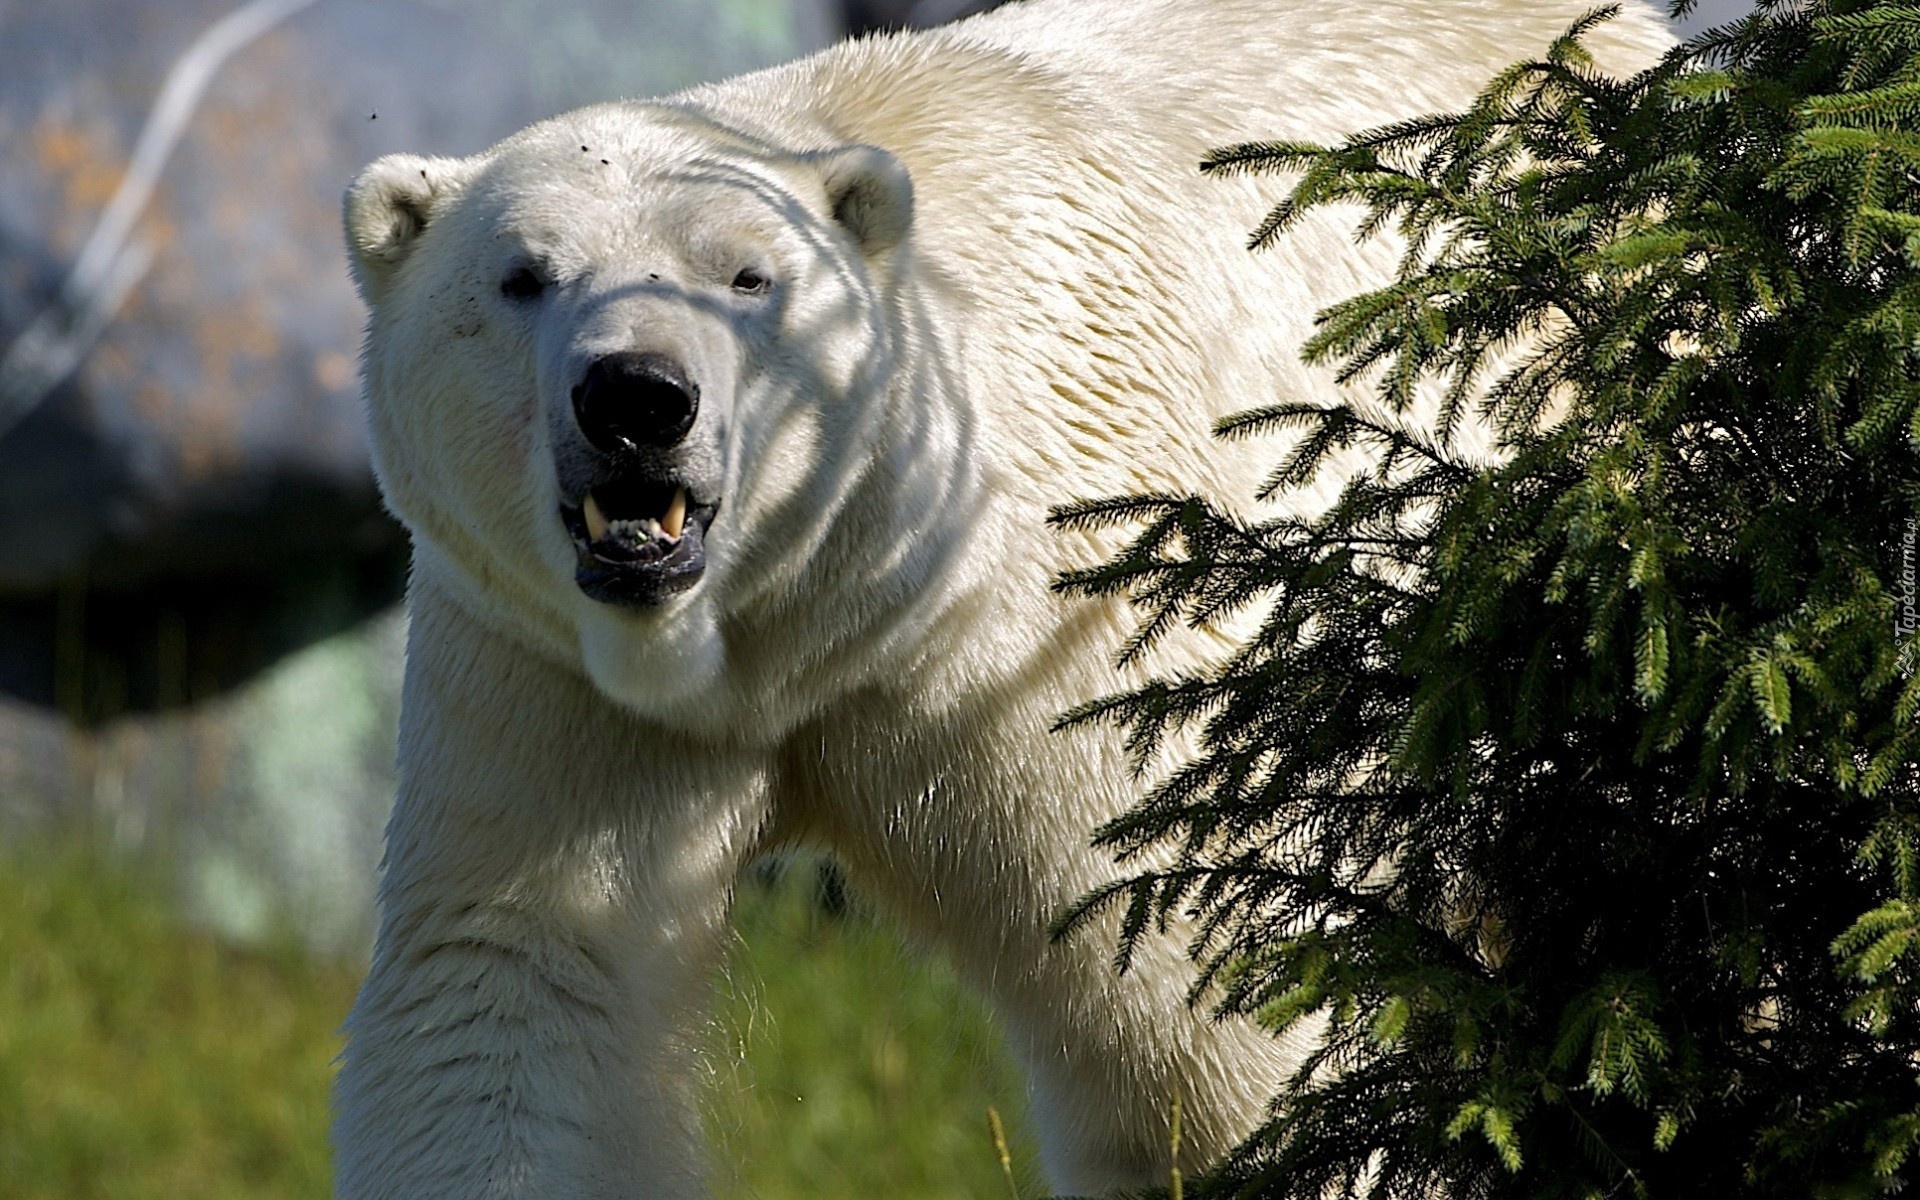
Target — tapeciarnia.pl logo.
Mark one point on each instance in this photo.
(1906, 621)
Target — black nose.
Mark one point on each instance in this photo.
(630, 399)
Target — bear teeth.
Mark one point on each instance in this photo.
(635, 532)
(676, 518)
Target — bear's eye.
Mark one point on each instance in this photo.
(522, 284)
(751, 282)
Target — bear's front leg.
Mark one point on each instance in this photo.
(552, 909)
(975, 831)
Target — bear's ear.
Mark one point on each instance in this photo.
(388, 207)
(871, 195)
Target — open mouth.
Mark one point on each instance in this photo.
(638, 541)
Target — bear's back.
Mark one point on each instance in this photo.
(1100, 286)
(1055, 146)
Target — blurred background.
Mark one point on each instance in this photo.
(199, 644)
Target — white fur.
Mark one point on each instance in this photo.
(1032, 296)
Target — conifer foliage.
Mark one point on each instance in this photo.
(1571, 804)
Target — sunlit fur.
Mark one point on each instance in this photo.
(873, 658)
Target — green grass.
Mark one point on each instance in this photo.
(853, 1069)
(140, 1059)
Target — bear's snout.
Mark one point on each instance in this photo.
(628, 400)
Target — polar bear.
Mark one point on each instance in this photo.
(726, 426)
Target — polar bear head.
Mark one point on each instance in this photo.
(619, 370)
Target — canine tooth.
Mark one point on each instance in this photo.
(676, 518)
(596, 520)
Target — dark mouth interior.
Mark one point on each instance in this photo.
(634, 521)
(635, 499)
